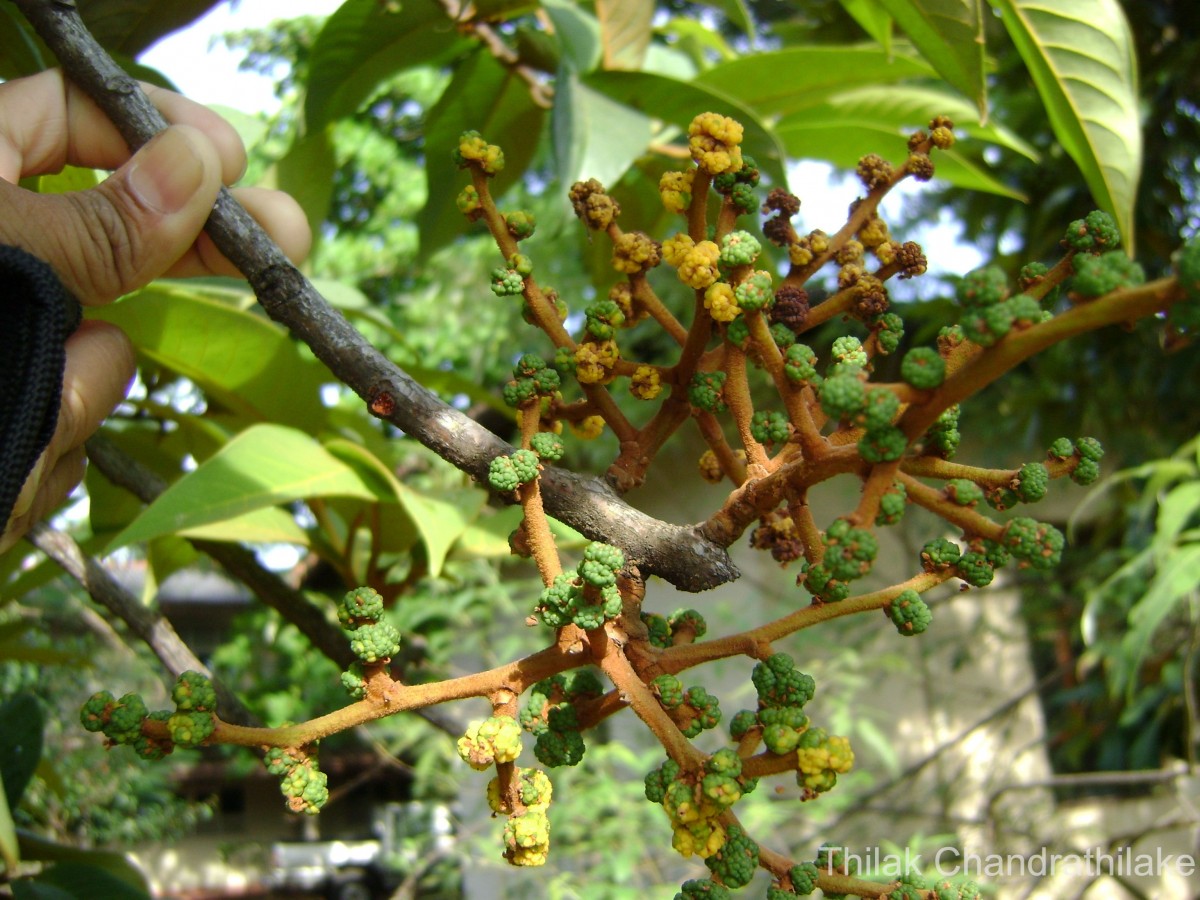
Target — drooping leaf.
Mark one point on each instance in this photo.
(306, 172)
(365, 42)
(243, 362)
(781, 82)
(130, 26)
(678, 102)
(118, 865)
(829, 134)
(624, 31)
(1080, 54)
(578, 33)
(583, 122)
(949, 33)
(21, 724)
(264, 466)
(873, 18)
(82, 879)
(1178, 577)
(486, 97)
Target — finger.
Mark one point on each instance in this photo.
(279, 214)
(52, 488)
(128, 230)
(100, 366)
(46, 122)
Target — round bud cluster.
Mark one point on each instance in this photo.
(804, 878)
(1094, 233)
(770, 427)
(848, 351)
(699, 712)
(373, 641)
(780, 684)
(304, 785)
(589, 596)
(468, 203)
(527, 832)
(843, 395)
(943, 436)
(909, 613)
(739, 248)
(704, 391)
(1089, 453)
(595, 361)
(635, 251)
(941, 132)
(507, 473)
(603, 318)
(820, 758)
(892, 505)
(1098, 275)
(883, 444)
(963, 492)
(919, 166)
(190, 729)
(593, 205)
(713, 141)
(800, 365)
(1033, 543)
(520, 225)
(697, 889)
(494, 740)
(849, 551)
(736, 860)
(698, 266)
(889, 331)
(923, 368)
(874, 171)
(720, 302)
(1031, 482)
(354, 682)
(939, 554)
(547, 445)
(551, 716)
(194, 692)
(675, 190)
(119, 720)
(473, 150)
(975, 568)
(507, 282)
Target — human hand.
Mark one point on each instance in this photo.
(143, 222)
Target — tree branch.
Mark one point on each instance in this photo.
(678, 554)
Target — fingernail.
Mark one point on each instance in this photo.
(166, 172)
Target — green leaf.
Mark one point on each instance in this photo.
(21, 50)
(114, 864)
(365, 42)
(1081, 56)
(130, 26)
(10, 852)
(263, 466)
(243, 361)
(488, 98)
(678, 102)
(79, 879)
(583, 123)
(1177, 509)
(1174, 580)
(906, 108)
(810, 75)
(736, 11)
(873, 18)
(578, 32)
(826, 133)
(439, 518)
(625, 27)
(949, 33)
(69, 178)
(306, 172)
(21, 724)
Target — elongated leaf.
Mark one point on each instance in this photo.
(264, 466)
(583, 122)
(906, 108)
(21, 723)
(625, 31)
(21, 50)
(1080, 54)
(10, 851)
(1177, 509)
(578, 33)
(131, 26)
(365, 42)
(874, 19)
(118, 865)
(736, 12)
(828, 134)
(678, 102)
(242, 361)
(949, 33)
(81, 879)
(1178, 577)
(439, 518)
(306, 173)
(485, 97)
(784, 81)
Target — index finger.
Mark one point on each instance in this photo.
(46, 122)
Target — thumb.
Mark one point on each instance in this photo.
(131, 228)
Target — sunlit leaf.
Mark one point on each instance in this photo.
(625, 31)
(578, 32)
(243, 362)
(784, 81)
(1081, 56)
(1178, 577)
(363, 43)
(264, 466)
(949, 33)
(584, 122)
(874, 19)
(131, 26)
